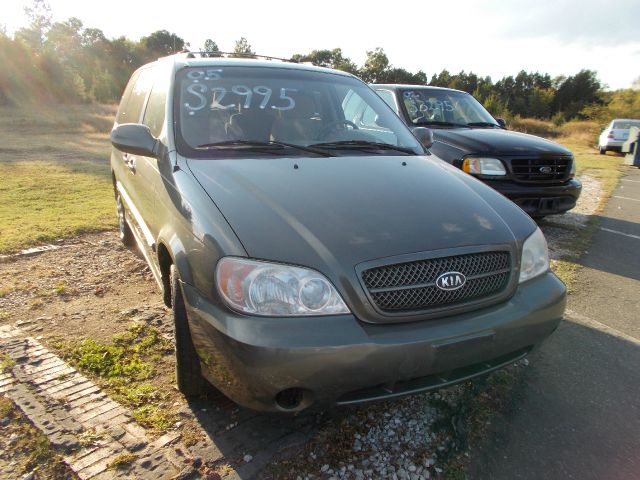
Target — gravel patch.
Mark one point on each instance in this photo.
(560, 230)
(410, 438)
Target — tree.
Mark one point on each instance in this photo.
(400, 75)
(623, 103)
(162, 43)
(443, 79)
(578, 91)
(243, 48)
(92, 37)
(39, 16)
(211, 48)
(65, 38)
(375, 66)
(539, 102)
(328, 59)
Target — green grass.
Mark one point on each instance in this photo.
(41, 201)
(122, 461)
(6, 363)
(125, 368)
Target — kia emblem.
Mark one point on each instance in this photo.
(451, 281)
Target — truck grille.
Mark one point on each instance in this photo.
(540, 169)
(412, 285)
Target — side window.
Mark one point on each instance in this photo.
(387, 96)
(134, 96)
(369, 117)
(125, 98)
(155, 111)
(352, 105)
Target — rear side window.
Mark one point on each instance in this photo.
(135, 94)
(155, 111)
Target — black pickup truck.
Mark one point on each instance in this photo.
(538, 175)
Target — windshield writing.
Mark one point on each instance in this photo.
(236, 105)
(426, 106)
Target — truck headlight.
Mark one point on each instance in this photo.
(535, 256)
(483, 166)
(274, 289)
(572, 171)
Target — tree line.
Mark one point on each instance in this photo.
(68, 62)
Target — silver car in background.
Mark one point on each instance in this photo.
(616, 133)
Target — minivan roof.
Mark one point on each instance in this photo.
(182, 60)
(397, 86)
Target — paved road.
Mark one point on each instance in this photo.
(577, 414)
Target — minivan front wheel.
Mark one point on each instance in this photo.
(188, 374)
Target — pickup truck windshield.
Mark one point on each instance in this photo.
(247, 111)
(446, 108)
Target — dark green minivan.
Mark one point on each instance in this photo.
(309, 260)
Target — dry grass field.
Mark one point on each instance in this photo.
(55, 173)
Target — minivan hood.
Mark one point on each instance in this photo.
(497, 142)
(334, 213)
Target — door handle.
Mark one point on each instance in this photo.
(130, 162)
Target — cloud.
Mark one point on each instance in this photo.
(587, 22)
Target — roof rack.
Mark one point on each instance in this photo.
(190, 54)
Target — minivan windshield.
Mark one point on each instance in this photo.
(430, 106)
(244, 111)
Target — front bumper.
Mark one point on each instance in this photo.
(339, 359)
(539, 200)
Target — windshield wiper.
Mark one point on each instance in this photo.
(363, 144)
(443, 124)
(483, 124)
(262, 146)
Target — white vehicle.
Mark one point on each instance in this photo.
(616, 133)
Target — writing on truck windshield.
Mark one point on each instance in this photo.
(242, 107)
(426, 106)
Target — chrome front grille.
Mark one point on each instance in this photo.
(411, 286)
(533, 170)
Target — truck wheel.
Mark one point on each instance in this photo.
(602, 150)
(126, 235)
(188, 375)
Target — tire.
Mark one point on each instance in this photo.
(126, 235)
(602, 150)
(188, 374)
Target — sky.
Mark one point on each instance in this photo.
(488, 37)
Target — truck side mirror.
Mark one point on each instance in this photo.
(424, 135)
(501, 122)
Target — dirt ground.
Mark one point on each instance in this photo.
(55, 293)
(57, 296)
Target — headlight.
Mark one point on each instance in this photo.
(483, 166)
(273, 289)
(535, 256)
(572, 171)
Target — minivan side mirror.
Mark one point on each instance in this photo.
(424, 135)
(136, 139)
(501, 122)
